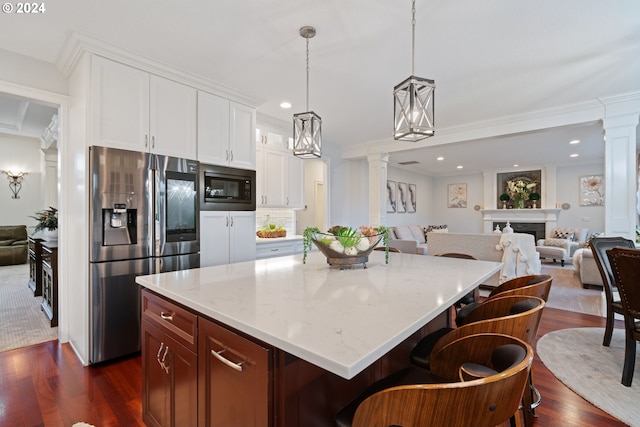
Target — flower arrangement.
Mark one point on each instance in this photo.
(520, 189)
(47, 219)
(345, 242)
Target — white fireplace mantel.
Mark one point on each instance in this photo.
(547, 216)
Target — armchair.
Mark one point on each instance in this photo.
(562, 243)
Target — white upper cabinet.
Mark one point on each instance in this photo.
(279, 173)
(173, 118)
(134, 110)
(226, 132)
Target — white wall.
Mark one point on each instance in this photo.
(459, 220)
(567, 190)
(425, 199)
(20, 153)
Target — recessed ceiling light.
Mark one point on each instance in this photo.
(440, 159)
(515, 166)
(285, 104)
(574, 155)
(574, 141)
(460, 166)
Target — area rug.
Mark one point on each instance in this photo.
(22, 322)
(578, 359)
(567, 292)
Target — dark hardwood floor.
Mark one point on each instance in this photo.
(45, 385)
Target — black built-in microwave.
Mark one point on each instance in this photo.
(227, 189)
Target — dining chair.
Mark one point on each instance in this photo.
(472, 296)
(625, 266)
(536, 285)
(599, 246)
(516, 315)
(477, 380)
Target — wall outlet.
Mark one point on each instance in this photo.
(585, 219)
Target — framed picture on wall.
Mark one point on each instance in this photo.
(457, 196)
(592, 190)
(401, 206)
(412, 203)
(391, 196)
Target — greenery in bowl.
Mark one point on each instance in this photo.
(346, 240)
(47, 219)
(504, 197)
(534, 196)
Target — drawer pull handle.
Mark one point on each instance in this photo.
(229, 363)
(275, 250)
(166, 316)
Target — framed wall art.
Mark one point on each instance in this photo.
(391, 196)
(413, 197)
(402, 197)
(457, 196)
(592, 190)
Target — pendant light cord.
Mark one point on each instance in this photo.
(413, 36)
(308, 74)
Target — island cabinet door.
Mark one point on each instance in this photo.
(235, 379)
(169, 380)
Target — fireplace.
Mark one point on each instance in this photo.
(536, 229)
(534, 221)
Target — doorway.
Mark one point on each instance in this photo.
(29, 124)
(316, 196)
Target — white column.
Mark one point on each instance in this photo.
(620, 174)
(378, 188)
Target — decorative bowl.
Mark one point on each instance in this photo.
(344, 251)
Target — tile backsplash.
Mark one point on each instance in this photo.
(283, 217)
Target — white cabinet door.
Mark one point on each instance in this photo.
(242, 242)
(214, 238)
(120, 105)
(213, 129)
(272, 176)
(295, 181)
(242, 136)
(172, 118)
(227, 237)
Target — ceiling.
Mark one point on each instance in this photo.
(24, 117)
(490, 59)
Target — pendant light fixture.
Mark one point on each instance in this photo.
(307, 132)
(413, 108)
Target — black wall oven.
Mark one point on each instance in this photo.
(227, 189)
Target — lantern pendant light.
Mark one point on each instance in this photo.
(413, 100)
(307, 132)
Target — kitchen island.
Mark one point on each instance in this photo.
(325, 333)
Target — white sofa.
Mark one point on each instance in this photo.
(408, 239)
(586, 268)
(515, 250)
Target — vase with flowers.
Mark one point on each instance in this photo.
(519, 190)
(47, 224)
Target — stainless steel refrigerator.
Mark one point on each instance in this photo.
(143, 220)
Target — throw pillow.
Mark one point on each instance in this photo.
(591, 236)
(435, 229)
(563, 234)
(559, 243)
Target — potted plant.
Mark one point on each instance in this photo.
(504, 198)
(47, 222)
(534, 197)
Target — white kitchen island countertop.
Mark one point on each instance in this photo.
(339, 320)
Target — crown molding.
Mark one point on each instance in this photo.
(77, 44)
